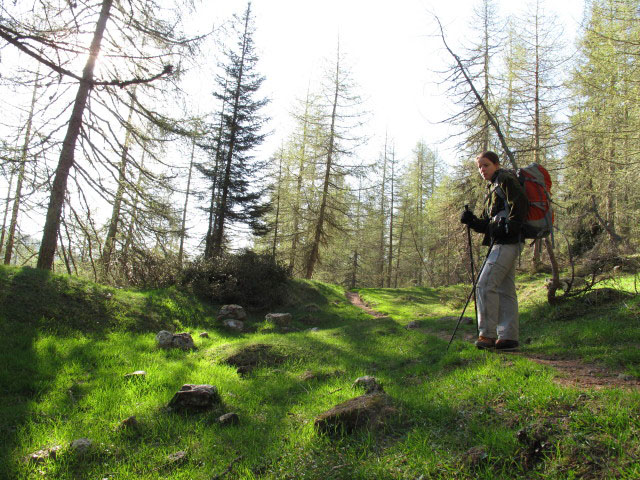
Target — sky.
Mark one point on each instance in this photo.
(392, 49)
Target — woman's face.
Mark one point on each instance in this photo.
(486, 167)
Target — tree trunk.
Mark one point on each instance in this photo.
(277, 219)
(218, 236)
(314, 254)
(23, 161)
(110, 240)
(391, 207)
(382, 215)
(296, 202)
(67, 155)
(183, 230)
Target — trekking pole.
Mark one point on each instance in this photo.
(473, 273)
(473, 289)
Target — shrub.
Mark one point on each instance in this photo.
(247, 278)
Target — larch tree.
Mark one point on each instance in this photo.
(115, 28)
(338, 120)
(602, 162)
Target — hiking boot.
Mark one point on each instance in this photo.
(484, 342)
(503, 344)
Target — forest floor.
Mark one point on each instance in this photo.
(572, 372)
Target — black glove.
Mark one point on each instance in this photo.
(468, 217)
(499, 228)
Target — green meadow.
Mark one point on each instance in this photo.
(458, 413)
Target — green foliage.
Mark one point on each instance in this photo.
(246, 278)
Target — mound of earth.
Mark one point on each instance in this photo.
(254, 355)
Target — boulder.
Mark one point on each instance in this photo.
(233, 324)
(183, 341)
(232, 312)
(165, 339)
(279, 319)
(195, 397)
(365, 411)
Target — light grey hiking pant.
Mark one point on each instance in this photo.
(496, 294)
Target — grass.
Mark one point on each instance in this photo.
(69, 343)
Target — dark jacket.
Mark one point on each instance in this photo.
(514, 207)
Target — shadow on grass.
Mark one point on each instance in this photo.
(21, 380)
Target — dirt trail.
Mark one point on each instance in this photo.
(572, 373)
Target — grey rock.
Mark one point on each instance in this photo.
(229, 419)
(233, 312)
(413, 325)
(195, 397)
(364, 411)
(184, 341)
(233, 324)
(279, 319)
(163, 339)
(204, 335)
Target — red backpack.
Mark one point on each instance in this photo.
(536, 181)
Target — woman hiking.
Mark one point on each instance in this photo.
(504, 211)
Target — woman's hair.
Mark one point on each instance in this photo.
(491, 156)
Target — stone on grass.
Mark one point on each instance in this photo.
(204, 335)
(81, 445)
(195, 397)
(279, 319)
(369, 383)
(229, 419)
(136, 374)
(368, 411)
(233, 312)
(177, 457)
(413, 325)
(233, 324)
(183, 341)
(165, 339)
(43, 455)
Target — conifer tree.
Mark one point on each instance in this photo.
(238, 195)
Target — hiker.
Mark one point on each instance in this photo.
(504, 212)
